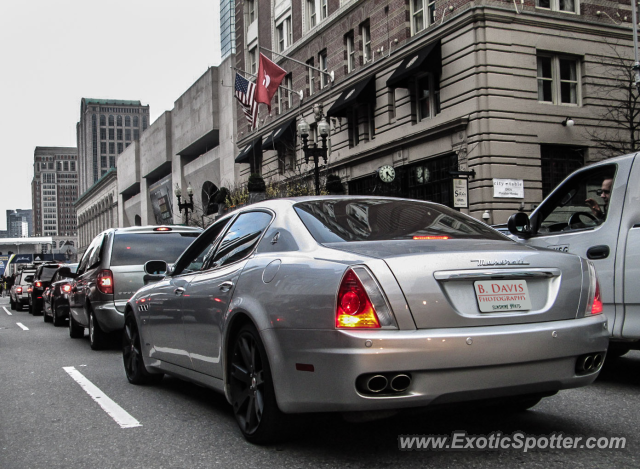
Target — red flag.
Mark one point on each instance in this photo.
(269, 78)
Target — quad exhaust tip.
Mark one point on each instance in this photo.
(589, 363)
(388, 383)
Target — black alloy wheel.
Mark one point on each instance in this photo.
(251, 389)
(76, 331)
(132, 355)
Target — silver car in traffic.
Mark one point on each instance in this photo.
(347, 304)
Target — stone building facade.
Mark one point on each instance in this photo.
(54, 189)
(191, 145)
(434, 89)
(97, 209)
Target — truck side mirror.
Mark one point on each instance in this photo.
(519, 225)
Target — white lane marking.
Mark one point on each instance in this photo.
(7, 311)
(24, 328)
(116, 412)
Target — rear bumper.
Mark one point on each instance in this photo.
(444, 366)
(108, 317)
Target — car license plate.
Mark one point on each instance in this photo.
(495, 296)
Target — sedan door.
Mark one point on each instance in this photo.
(208, 295)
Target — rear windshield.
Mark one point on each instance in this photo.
(26, 279)
(340, 220)
(138, 248)
(47, 272)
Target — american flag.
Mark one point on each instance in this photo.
(245, 93)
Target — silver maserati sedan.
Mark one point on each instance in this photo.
(350, 304)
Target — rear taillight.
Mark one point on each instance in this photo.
(29, 289)
(105, 282)
(361, 303)
(38, 284)
(594, 301)
(66, 288)
(18, 290)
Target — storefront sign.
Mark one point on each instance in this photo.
(160, 196)
(461, 193)
(508, 188)
(4, 260)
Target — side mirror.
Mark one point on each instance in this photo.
(155, 271)
(519, 225)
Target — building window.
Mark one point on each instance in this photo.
(59, 166)
(287, 24)
(311, 14)
(366, 43)
(251, 11)
(310, 75)
(568, 6)
(103, 134)
(111, 134)
(557, 162)
(127, 121)
(351, 52)
(558, 80)
(103, 120)
(322, 62)
(120, 148)
(253, 61)
(286, 157)
(127, 134)
(66, 166)
(324, 12)
(144, 124)
(423, 14)
(111, 120)
(112, 147)
(119, 134)
(73, 166)
(119, 121)
(136, 134)
(353, 129)
(280, 32)
(135, 121)
(427, 96)
(103, 147)
(288, 83)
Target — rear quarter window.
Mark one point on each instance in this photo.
(47, 273)
(138, 248)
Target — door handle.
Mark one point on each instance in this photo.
(225, 286)
(179, 291)
(598, 252)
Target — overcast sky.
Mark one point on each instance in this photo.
(53, 53)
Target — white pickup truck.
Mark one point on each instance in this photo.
(595, 213)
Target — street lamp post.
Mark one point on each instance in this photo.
(186, 206)
(313, 150)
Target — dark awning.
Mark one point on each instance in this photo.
(362, 92)
(247, 152)
(426, 59)
(286, 131)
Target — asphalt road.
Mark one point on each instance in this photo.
(48, 420)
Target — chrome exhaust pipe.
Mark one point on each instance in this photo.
(400, 382)
(585, 363)
(597, 361)
(377, 383)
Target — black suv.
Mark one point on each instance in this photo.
(41, 280)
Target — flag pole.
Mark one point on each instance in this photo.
(299, 93)
(330, 74)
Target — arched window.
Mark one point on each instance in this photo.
(138, 220)
(135, 121)
(119, 121)
(103, 119)
(110, 120)
(209, 191)
(127, 121)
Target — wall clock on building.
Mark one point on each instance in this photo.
(386, 173)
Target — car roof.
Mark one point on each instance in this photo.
(152, 229)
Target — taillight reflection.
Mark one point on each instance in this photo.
(596, 308)
(105, 282)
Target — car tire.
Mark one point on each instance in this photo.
(98, 339)
(76, 331)
(18, 306)
(57, 319)
(132, 355)
(46, 317)
(12, 305)
(251, 390)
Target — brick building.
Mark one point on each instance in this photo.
(434, 87)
